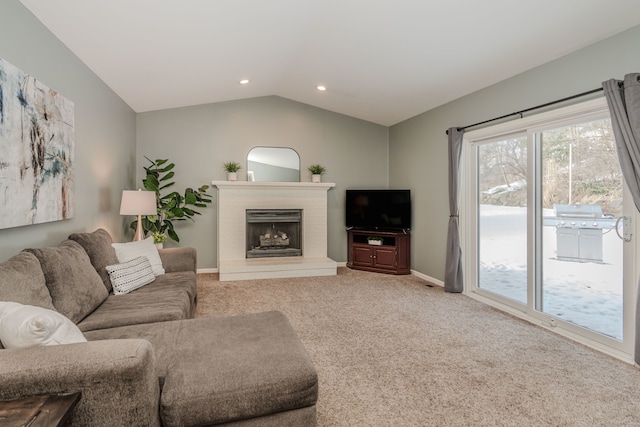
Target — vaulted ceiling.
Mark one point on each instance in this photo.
(380, 60)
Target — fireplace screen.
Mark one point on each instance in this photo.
(274, 232)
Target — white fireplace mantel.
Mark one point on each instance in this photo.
(251, 185)
(235, 197)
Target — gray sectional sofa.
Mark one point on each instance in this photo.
(147, 362)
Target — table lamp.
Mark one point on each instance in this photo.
(138, 203)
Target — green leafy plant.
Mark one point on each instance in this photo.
(317, 169)
(232, 166)
(172, 206)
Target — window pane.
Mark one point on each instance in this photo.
(502, 218)
(582, 264)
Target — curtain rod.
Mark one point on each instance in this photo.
(521, 112)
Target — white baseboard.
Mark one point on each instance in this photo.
(206, 270)
(427, 278)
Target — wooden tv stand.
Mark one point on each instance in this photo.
(393, 256)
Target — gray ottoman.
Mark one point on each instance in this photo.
(241, 370)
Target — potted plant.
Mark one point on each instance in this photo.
(375, 240)
(172, 206)
(316, 172)
(159, 239)
(232, 169)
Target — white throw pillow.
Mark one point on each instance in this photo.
(128, 251)
(24, 326)
(130, 275)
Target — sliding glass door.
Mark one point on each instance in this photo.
(548, 226)
(581, 199)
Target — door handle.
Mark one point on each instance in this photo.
(626, 228)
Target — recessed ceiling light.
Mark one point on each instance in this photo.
(321, 88)
(244, 81)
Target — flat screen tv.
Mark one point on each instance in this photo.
(378, 209)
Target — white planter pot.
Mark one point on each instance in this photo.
(232, 176)
(316, 178)
(159, 245)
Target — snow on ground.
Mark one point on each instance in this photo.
(588, 294)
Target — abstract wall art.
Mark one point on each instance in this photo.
(36, 151)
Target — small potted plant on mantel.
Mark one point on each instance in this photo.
(316, 172)
(232, 169)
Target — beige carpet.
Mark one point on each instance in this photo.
(392, 351)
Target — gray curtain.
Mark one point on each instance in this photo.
(623, 98)
(453, 266)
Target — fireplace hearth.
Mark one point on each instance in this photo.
(274, 233)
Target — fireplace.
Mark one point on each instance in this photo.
(274, 233)
(235, 198)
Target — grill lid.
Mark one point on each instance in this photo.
(577, 211)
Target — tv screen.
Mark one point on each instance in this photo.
(378, 209)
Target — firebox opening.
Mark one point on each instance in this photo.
(274, 233)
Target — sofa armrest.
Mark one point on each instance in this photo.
(178, 259)
(117, 379)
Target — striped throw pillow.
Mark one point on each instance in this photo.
(130, 275)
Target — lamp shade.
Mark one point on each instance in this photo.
(138, 203)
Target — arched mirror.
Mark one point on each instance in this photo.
(273, 164)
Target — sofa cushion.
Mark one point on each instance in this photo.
(178, 259)
(23, 326)
(130, 275)
(128, 251)
(139, 307)
(184, 280)
(75, 286)
(235, 368)
(98, 246)
(22, 280)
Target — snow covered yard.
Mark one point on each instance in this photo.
(588, 294)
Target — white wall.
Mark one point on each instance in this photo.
(200, 139)
(418, 146)
(104, 131)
